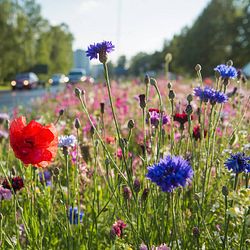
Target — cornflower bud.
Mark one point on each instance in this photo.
(189, 109)
(142, 98)
(169, 85)
(196, 232)
(61, 112)
(145, 193)
(146, 79)
(225, 191)
(102, 107)
(127, 193)
(137, 185)
(77, 123)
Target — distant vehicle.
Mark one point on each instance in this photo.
(28, 80)
(57, 79)
(76, 76)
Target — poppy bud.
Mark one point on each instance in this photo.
(189, 98)
(230, 63)
(171, 94)
(78, 92)
(153, 82)
(131, 124)
(168, 58)
(198, 67)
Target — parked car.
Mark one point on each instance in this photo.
(76, 76)
(57, 79)
(28, 80)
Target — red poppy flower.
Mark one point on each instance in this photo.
(33, 143)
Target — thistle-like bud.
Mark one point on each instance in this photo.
(145, 193)
(78, 92)
(168, 58)
(189, 109)
(61, 112)
(197, 67)
(171, 94)
(225, 191)
(142, 98)
(169, 85)
(196, 232)
(230, 63)
(102, 105)
(137, 185)
(77, 123)
(190, 98)
(131, 124)
(127, 193)
(147, 79)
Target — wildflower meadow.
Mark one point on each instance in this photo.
(139, 164)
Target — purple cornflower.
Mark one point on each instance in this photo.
(5, 194)
(210, 94)
(100, 50)
(154, 116)
(67, 141)
(238, 163)
(226, 71)
(3, 117)
(3, 134)
(45, 176)
(170, 173)
(73, 215)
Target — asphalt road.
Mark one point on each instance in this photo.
(11, 99)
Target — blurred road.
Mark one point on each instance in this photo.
(11, 99)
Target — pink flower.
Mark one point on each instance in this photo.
(5, 194)
(118, 227)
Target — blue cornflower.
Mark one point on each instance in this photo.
(73, 215)
(238, 163)
(226, 71)
(170, 173)
(67, 141)
(100, 49)
(210, 94)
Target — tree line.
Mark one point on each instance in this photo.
(221, 32)
(28, 39)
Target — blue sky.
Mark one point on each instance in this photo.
(132, 25)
